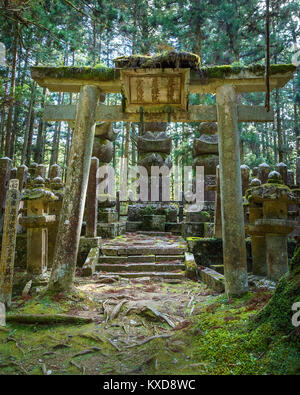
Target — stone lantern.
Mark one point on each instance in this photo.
(36, 221)
(269, 226)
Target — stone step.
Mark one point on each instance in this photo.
(142, 250)
(146, 274)
(140, 267)
(153, 233)
(113, 259)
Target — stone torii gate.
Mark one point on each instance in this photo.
(163, 96)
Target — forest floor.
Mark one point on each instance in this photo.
(143, 326)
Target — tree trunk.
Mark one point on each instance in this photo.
(27, 128)
(30, 135)
(2, 127)
(38, 152)
(11, 91)
(278, 126)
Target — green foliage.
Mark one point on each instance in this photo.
(278, 312)
(89, 36)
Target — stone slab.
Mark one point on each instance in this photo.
(158, 275)
(218, 268)
(173, 227)
(133, 226)
(140, 267)
(213, 279)
(193, 229)
(165, 258)
(86, 243)
(108, 231)
(190, 265)
(89, 266)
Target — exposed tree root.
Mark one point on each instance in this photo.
(47, 319)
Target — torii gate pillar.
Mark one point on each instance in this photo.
(67, 241)
(234, 247)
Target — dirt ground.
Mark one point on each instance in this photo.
(140, 326)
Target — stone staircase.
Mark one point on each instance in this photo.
(143, 255)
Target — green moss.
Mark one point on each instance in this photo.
(100, 72)
(278, 311)
(225, 70)
(38, 193)
(164, 60)
(168, 60)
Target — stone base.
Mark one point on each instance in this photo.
(190, 266)
(108, 216)
(174, 227)
(111, 230)
(154, 223)
(198, 229)
(193, 229)
(21, 250)
(213, 279)
(137, 210)
(208, 229)
(133, 226)
(197, 216)
(209, 251)
(89, 266)
(21, 278)
(86, 243)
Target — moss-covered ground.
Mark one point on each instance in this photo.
(206, 333)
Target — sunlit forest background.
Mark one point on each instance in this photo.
(94, 32)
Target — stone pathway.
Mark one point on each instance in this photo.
(143, 254)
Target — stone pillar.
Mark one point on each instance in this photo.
(56, 185)
(255, 172)
(37, 200)
(92, 200)
(277, 256)
(290, 178)
(154, 148)
(107, 217)
(13, 173)
(258, 241)
(32, 169)
(282, 170)
(37, 242)
(5, 167)
(258, 248)
(22, 175)
(263, 172)
(274, 199)
(218, 216)
(205, 152)
(40, 171)
(64, 265)
(54, 171)
(9, 242)
(245, 173)
(233, 233)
